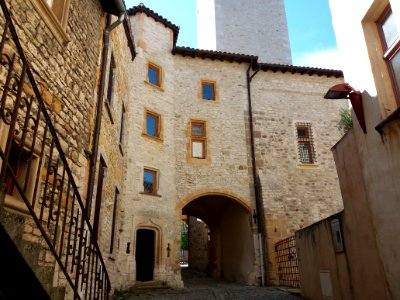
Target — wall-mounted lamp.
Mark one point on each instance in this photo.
(345, 91)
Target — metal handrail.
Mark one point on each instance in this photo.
(35, 172)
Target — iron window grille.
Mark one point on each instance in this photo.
(305, 141)
(150, 181)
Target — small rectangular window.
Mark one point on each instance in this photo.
(390, 40)
(99, 196)
(114, 219)
(23, 164)
(154, 74)
(208, 90)
(152, 124)
(198, 140)
(122, 129)
(150, 181)
(111, 79)
(305, 143)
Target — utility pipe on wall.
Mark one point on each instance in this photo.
(256, 180)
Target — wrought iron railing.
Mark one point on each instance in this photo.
(35, 177)
(288, 264)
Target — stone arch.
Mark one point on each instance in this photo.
(213, 192)
(223, 239)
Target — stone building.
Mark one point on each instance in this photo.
(363, 262)
(120, 135)
(55, 79)
(190, 153)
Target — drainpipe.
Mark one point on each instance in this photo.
(99, 110)
(256, 179)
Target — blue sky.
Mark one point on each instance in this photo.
(311, 35)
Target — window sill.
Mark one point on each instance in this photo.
(154, 138)
(51, 21)
(213, 101)
(148, 194)
(154, 86)
(308, 166)
(13, 204)
(391, 118)
(110, 114)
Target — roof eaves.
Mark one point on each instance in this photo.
(214, 55)
(300, 70)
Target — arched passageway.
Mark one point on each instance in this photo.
(225, 248)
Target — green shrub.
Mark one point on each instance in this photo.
(346, 120)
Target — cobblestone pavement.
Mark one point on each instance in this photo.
(200, 287)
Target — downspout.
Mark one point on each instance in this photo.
(99, 110)
(256, 179)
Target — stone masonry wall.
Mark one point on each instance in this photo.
(143, 211)
(114, 154)
(294, 194)
(66, 73)
(68, 77)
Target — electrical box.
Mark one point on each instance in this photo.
(337, 235)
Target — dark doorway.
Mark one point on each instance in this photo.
(145, 242)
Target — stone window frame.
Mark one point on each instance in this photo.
(55, 17)
(388, 101)
(390, 52)
(122, 130)
(308, 140)
(115, 215)
(212, 84)
(110, 92)
(156, 181)
(159, 128)
(13, 201)
(198, 138)
(160, 77)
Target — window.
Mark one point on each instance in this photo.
(114, 217)
(111, 80)
(154, 74)
(152, 124)
(391, 46)
(150, 181)
(24, 165)
(198, 139)
(305, 143)
(208, 90)
(122, 129)
(99, 196)
(55, 14)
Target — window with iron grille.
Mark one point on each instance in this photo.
(150, 181)
(305, 141)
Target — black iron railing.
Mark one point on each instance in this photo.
(35, 177)
(288, 264)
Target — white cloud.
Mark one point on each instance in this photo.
(328, 59)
